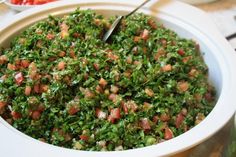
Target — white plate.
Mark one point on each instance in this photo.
(188, 22)
(19, 7)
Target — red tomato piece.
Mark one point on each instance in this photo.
(37, 88)
(84, 137)
(144, 123)
(38, 2)
(155, 119)
(19, 78)
(50, 36)
(17, 2)
(25, 63)
(111, 119)
(181, 52)
(124, 107)
(27, 90)
(115, 113)
(15, 115)
(179, 120)
(73, 110)
(168, 133)
(36, 115)
(100, 114)
(145, 34)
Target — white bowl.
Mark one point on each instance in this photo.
(198, 1)
(188, 22)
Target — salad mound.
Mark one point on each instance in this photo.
(61, 84)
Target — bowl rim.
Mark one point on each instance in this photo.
(186, 140)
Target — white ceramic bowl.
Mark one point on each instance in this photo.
(188, 22)
(198, 1)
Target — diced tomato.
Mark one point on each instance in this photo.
(40, 108)
(84, 137)
(137, 63)
(115, 113)
(76, 35)
(3, 59)
(145, 34)
(100, 114)
(152, 23)
(99, 89)
(37, 88)
(72, 54)
(181, 52)
(16, 115)
(27, 90)
(38, 2)
(88, 94)
(18, 2)
(164, 42)
(131, 105)
(159, 53)
(186, 59)
(129, 60)
(36, 115)
(19, 78)
(96, 66)
(113, 97)
(29, 2)
(11, 66)
(33, 66)
(193, 72)
(32, 70)
(137, 39)
(73, 110)
(112, 56)
(25, 63)
(64, 30)
(155, 119)
(127, 73)
(144, 123)
(164, 117)
(179, 120)
(102, 82)
(43, 88)
(166, 68)
(61, 65)
(50, 36)
(182, 86)
(124, 107)
(168, 133)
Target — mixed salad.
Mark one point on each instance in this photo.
(61, 84)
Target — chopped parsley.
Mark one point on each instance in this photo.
(61, 84)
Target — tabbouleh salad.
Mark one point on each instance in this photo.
(61, 84)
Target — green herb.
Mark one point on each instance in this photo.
(61, 84)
